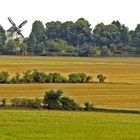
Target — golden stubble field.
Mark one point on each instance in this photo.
(121, 90)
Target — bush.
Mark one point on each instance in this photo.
(55, 78)
(4, 77)
(3, 102)
(27, 77)
(38, 77)
(68, 104)
(78, 78)
(52, 99)
(16, 79)
(101, 78)
(27, 103)
(88, 106)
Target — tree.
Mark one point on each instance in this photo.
(38, 31)
(104, 51)
(2, 38)
(52, 99)
(23, 48)
(12, 47)
(135, 38)
(36, 38)
(105, 35)
(124, 33)
(59, 46)
(53, 30)
(82, 32)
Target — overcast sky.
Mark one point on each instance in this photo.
(95, 11)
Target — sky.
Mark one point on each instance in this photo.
(95, 11)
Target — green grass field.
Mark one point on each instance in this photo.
(59, 125)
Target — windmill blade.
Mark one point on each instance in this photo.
(11, 21)
(11, 29)
(23, 23)
(20, 34)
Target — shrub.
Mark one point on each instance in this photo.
(3, 102)
(27, 77)
(101, 78)
(78, 78)
(55, 78)
(68, 104)
(25, 102)
(16, 79)
(38, 77)
(88, 106)
(4, 77)
(52, 99)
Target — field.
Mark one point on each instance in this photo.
(121, 90)
(59, 125)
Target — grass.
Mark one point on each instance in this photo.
(60, 125)
(121, 90)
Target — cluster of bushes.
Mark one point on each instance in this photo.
(53, 100)
(41, 77)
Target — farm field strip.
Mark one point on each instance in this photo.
(122, 89)
(64, 125)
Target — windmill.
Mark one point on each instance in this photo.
(16, 29)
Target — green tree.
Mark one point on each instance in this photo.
(2, 38)
(105, 35)
(53, 30)
(52, 99)
(104, 51)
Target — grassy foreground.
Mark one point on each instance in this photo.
(59, 125)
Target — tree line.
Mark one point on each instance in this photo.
(42, 77)
(74, 39)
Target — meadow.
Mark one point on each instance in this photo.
(63, 125)
(121, 90)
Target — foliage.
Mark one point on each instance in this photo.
(104, 51)
(52, 99)
(38, 77)
(4, 77)
(3, 102)
(55, 78)
(68, 104)
(78, 78)
(101, 78)
(73, 38)
(16, 79)
(26, 103)
(88, 106)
